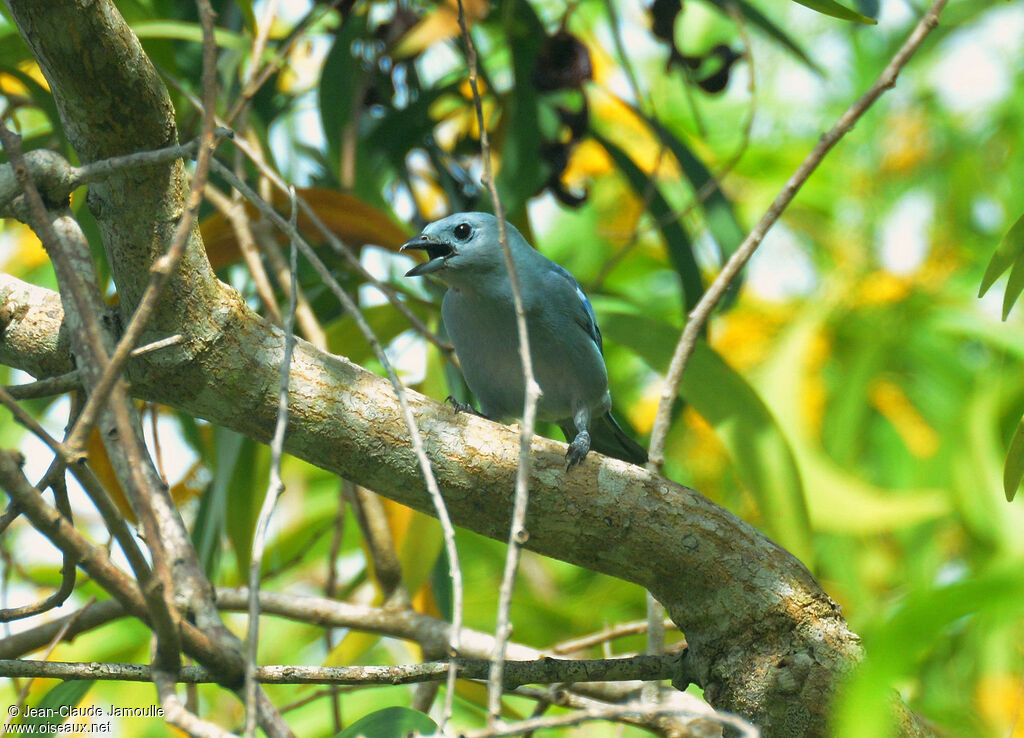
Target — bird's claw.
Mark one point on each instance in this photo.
(463, 407)
(577, 450)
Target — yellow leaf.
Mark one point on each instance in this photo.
(882, 287)
(1000, 699)
(12, 86)
(891, 401)
(626, 129)
(24, 252)
(100, 464)
(440, 25)
(191, 484)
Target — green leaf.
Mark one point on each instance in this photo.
(757, 19)
(830, 7)
(1009, 251)
(721, 218)
(920, 624)
(523, 172)
(759, 450)
(1014, 469)
(185, 31)
(66, 694)
(246, 490)
(209, 528)
(1014, 285)
(839, 501)
(342, 79)
(391, 722)
(680, 248)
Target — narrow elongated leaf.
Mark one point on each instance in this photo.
(839, 501)
(830, 7)
(187, 31)
(1014, 285)
(522, 173)
(759, 20)
(66, 694)
(391, 722)
(342, 79)
(757, 446)
(246, 490)
(680, 248)
(209, 527)
(1009, 250)
(1014, 469)
(718, 210)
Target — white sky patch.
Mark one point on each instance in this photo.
(386, 266)
(975, 65)
(408, 351)
(987, 214)
(991, 303)
(287, 133)
(781, 267)
(895, 17)
(408, 354)
(904, 239)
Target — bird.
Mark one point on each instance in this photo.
(464, 252)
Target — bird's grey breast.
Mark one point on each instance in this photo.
(483, 331)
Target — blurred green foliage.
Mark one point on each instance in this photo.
(855, 398)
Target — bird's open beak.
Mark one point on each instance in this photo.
(438, 251)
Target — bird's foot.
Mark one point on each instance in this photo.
(463, 407)
(577, 450)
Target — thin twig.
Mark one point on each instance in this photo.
(609, 713)
(305, 316)
(330, 587)
(67, 570)
(175, 711)
(621, 630)
(274, 489)
(48, 387)
(373, 524)
(234, 210)
(102, 169)
(58, 178)
(518, 534)
(416, 437)
(23, 693)
(336, 244)
(257, 80)
(703, 309)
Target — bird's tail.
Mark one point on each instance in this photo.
(608, 438)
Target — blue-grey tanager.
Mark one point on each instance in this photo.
(565, 344)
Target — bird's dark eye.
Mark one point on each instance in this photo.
(462, 231)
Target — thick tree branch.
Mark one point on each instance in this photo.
(765, 641)
(763, 636)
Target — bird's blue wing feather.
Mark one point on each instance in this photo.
(586, 317)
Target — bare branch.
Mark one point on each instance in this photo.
(611, 713)
(518, 533)
(275, 486)
(56, 482)
(543, 671)
(702, 310)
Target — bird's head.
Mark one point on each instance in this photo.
(463, 243)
